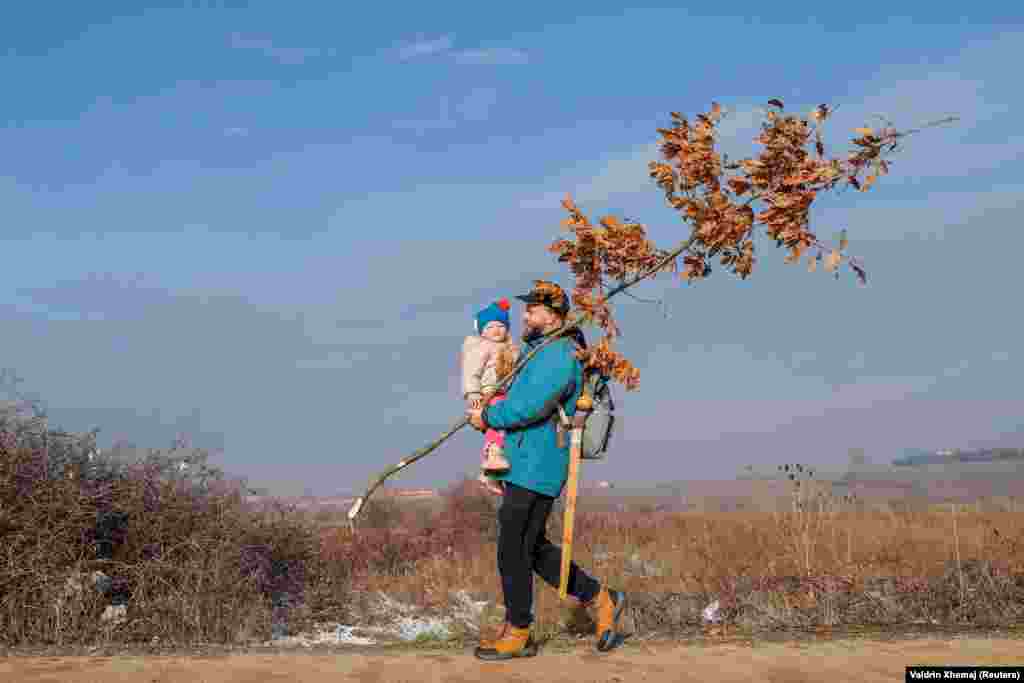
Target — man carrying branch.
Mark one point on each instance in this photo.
(539, 459)
(724, 202)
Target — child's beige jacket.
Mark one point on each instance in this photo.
(485, 363)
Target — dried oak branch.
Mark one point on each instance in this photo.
(723, 203)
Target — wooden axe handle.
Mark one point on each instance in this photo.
(571, 487)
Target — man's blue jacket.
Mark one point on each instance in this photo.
(554, 376)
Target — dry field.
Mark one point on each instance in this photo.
(805, 570)
(189, 562)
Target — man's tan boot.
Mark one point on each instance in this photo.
(511, 643)
(609, 606)
(488, 643)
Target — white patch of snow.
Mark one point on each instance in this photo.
(402, 621)
(711, 614)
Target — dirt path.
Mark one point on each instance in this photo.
(852, 660)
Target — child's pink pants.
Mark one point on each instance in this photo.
(493, 435)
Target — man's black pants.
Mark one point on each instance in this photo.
(524, 548)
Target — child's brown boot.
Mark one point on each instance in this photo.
(495, 462)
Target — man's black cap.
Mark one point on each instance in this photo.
(548, 294)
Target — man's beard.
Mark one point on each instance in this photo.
(532, 333)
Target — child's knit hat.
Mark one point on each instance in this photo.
(498, 311)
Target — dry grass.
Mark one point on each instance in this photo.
(826, 563)
(196, 564)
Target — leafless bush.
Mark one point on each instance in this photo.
(176, 545)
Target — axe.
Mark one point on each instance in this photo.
(584, 404)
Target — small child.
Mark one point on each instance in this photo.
(487, 358)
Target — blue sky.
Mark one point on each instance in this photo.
(270, 227)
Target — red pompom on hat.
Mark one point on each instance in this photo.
(498, 311)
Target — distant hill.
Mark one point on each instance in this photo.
(917, 457)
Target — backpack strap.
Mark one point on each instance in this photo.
(564, 423)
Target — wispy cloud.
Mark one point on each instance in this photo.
(236, 132)
(445, 46)
(285, 55)
(424, 47)
(492, 55)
